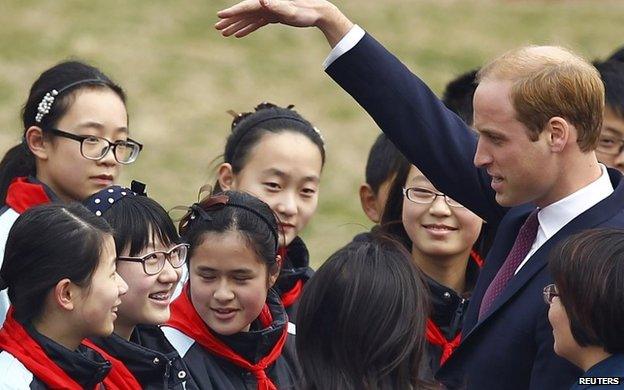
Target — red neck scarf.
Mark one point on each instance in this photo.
(476, 257)
(291, 296)
(435, 337)
(434, 334)
(184, 318)
(15, 340)
(22, 195)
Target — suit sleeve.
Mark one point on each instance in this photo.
(423, 129)
(549, 370)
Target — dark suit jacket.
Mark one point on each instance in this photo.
(512, 347)
(611, 367)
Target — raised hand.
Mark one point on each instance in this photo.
(249, 15)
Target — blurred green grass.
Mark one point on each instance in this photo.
(181, 75)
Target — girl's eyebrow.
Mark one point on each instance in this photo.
(281, 174)
(99, 126)
(241, 271)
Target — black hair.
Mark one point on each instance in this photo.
(458, 95)
(19, 161)
(391, 219)
(249, 127)
(45, 245)
(361, 320)
(588, 270)
(233, 211)
(382, 163)
(612, 75)
(137, 220)
(618, 55)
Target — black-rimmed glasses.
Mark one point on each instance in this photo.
(610, 145)
(95, 148)
(154, 262)
(425, 196)
(550, 292)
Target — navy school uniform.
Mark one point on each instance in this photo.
(448, 310)
(607, 374)
(85, 367)
(150, 357)
(294, 274)
(210, 371)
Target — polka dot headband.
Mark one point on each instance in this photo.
(102, 200)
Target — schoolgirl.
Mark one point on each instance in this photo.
(74, 116)
(362, 320)
(440, 234)
(275, 154)
(150, 257)
(229, 324)
(60, 272)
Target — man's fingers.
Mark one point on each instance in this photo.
(251, 28)
(236, 27)
(245, 6)
(227, 22)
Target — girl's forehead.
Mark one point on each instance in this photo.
(285, 151)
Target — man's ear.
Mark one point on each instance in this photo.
(35, 141)
(225, 176)
(368, 199)
(559, 133)
(64, 294)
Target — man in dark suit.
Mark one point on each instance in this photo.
(538, 112)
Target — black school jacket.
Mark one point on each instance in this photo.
(296, 267)
(85, 366)
(150, 358)
(212, 372)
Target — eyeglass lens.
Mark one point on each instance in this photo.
(155, 262)
(95, 148)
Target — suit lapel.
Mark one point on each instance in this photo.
(593, 217)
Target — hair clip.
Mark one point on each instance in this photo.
(138, 187)
(45, 105)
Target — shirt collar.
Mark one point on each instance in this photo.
(555, 216)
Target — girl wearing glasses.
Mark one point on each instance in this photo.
(229, 324)
(586, 306)
(277, 155)
(60, 273)
(150, 257)
(74, 142)
(440, 234)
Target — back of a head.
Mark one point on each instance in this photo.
(382, 162)
(618, 55)
(458, 95)
(588, 270)
(45, 245)
(361, 319)
(612, 75)
(547, 82)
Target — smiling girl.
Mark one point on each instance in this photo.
(228, 324)
(150, 257)
(277, 155)
(72, 291)
(74, 141)
(440, 234)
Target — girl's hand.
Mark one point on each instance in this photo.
(250, 15)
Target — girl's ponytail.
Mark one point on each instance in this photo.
(17, 162)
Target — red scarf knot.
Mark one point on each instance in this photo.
(435, 337)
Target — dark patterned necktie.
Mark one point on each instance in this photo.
(521, 247)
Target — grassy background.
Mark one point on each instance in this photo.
(181, 75)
